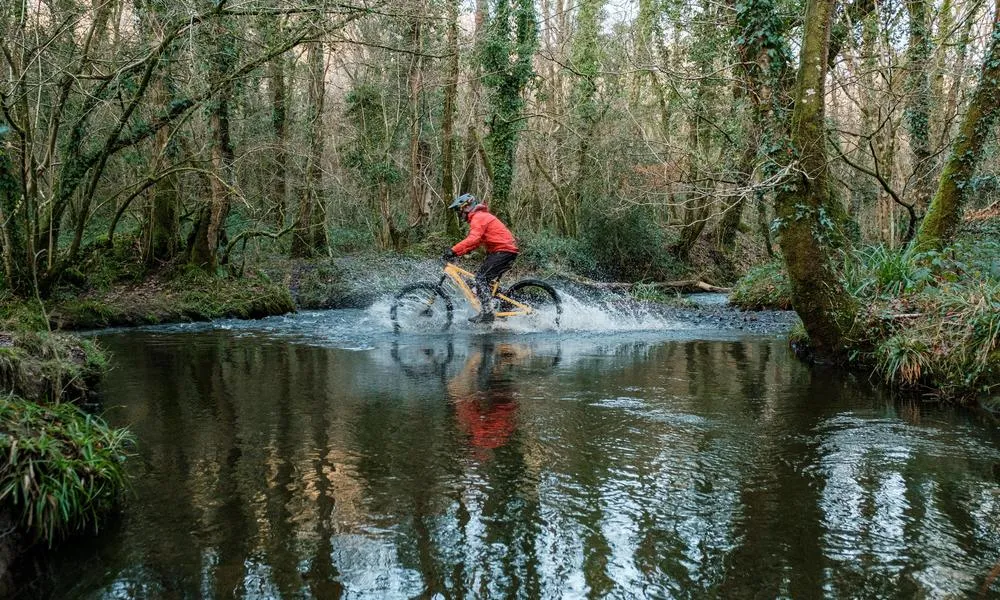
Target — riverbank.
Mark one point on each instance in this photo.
(929, 322)
(63, 467)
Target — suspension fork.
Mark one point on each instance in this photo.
(439, 284)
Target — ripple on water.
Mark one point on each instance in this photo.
(631, 465)
(883, 514)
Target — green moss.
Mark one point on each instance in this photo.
(84, 313)
(49, 367)
(63, 469)
(203, 297)
(763, 288)
(20, 315)
(188, 296)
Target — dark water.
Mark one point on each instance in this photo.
(294, 464)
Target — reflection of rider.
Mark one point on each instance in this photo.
(484, 396)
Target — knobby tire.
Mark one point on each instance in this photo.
(407, 315)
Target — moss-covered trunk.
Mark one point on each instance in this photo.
(164, 225)
(279, 119)
(210, 229)
(944, 213)
(918, 109)
(507, 60)
(808, 218)
(14, 244)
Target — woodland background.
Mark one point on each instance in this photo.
(619, 134)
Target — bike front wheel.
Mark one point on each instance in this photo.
(421, 306)
(544, 304)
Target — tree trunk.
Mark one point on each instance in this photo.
(803, 206)
(419, 195)
(918, 109)
(308, 237)
(943, 216)
(279, 119)
(586, 62)
(469, 179)
(164, 227)
(448, 119)
(210, 229)
(508, 67)
(696, 203)
(18, 263)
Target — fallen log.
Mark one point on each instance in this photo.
(682, 285)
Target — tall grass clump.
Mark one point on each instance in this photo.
(63, 469)
(932, 319)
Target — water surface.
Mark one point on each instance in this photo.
(319, 456)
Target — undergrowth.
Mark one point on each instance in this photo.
(931, 320)
(187, 294)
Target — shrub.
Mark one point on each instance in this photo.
(932, 320)
(343, 240)
(549, 252)
(629, 244)
(763, 288)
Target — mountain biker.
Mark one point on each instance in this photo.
(501, 249)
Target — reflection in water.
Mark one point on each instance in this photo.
(527, 467)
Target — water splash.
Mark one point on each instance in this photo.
(580, 313)
(612, 314)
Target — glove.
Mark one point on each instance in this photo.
(448, 255)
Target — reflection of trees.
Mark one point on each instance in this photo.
(703, 469)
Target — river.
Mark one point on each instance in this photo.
(320, 456)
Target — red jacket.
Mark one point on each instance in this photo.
(485, 228)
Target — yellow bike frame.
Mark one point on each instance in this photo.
(461, 277)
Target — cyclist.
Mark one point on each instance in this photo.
(501, 249)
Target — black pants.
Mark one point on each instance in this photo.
(493, 268)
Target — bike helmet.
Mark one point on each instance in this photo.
(464, 203)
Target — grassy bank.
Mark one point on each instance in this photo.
(49, 367)
(170, 298)
(61, 468)
(930, 321)
(111, 287)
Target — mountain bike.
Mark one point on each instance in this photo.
(428, 306)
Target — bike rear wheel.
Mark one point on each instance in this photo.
(421, 306)
(545, 304)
